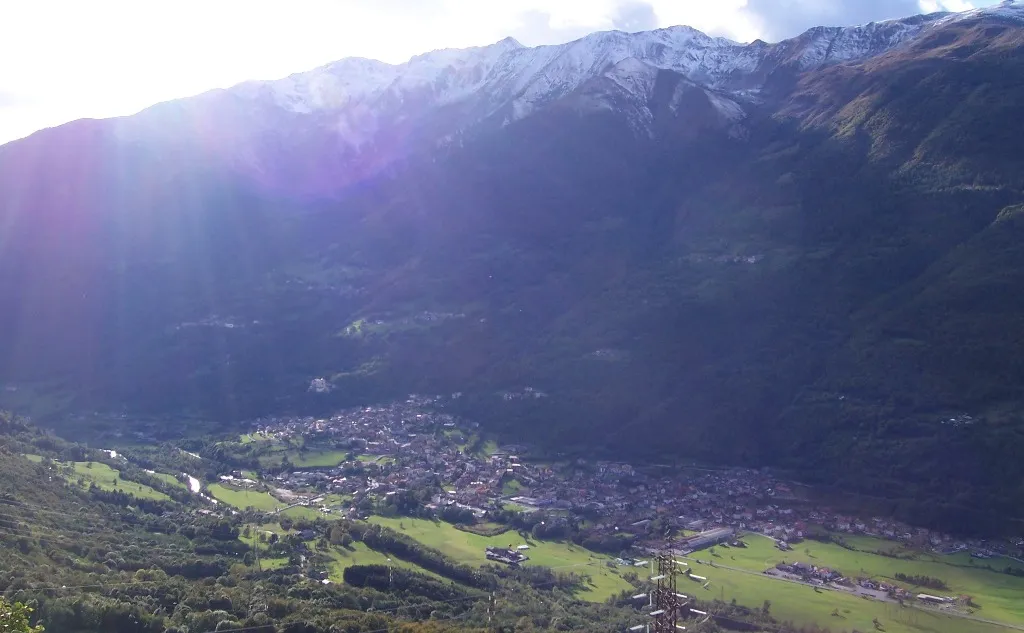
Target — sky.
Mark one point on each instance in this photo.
(62, 60)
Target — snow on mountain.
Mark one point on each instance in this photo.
(333, 86)
(508, 75)
(634, 76)
(727, 108)
(834, 45)
(347, 120)
(1008, 9)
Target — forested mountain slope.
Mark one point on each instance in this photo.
(95, 555)
(804, 265)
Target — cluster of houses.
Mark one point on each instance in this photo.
(812, 573)
(415, 443)
(888, 588)
(511, 556)
(870, 587)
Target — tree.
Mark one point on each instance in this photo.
(14, 618)
(337, 535)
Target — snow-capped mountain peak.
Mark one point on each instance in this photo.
(361, 114)
(527, 78)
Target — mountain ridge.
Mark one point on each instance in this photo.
(372, 113)
(816, 279)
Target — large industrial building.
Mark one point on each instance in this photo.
(708, 539)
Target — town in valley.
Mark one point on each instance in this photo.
(412, 457)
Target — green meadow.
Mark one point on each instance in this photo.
(835, 610)
(170, 480)
(468, 548)
(109, 479)
(999, 596)
(242, 499)
(317, 459)
(359, 554)
(376, 459)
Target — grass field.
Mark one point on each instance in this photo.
(336, 499)
(302, 459)
(271, 526)
(871, 544)
(259, 500)
(317, 459)
(376, 459)
(302, 512)
(342, 558)
(109, 479)
(35, 459)
(1000, 596)
(803, 605)
(170, 479)
(270, 564)
(360, 554)
(469, 549)
(242, 499)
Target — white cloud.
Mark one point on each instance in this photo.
(931, 6)
(65, 59)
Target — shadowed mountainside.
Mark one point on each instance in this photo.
(822, 281)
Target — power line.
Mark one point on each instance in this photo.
(29, 530)
(66, 540)
(384, 630)
(94, 586)
(109, 528)
(490, 598)
(20, 517)
(27, 523)
(32, 531)
(56, 532)
(35, 532)
(67, 514)
(17, 503)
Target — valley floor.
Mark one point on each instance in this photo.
(298, 486)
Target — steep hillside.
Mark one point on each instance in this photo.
(89, 556)
(798, 255)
